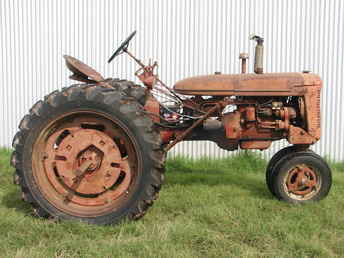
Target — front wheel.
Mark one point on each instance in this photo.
(88, 153)
(277, 158)
(301, 177)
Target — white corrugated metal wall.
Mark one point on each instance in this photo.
(186, 37)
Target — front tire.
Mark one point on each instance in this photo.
(88, 153)
(301, 177)
(278, 157)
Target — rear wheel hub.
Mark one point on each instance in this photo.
(92, 154)
(96, 147)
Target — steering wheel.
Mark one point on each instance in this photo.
(123, 46)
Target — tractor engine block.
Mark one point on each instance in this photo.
(256, 126)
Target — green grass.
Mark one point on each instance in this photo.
(207, 208)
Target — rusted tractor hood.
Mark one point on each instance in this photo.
(268, 84)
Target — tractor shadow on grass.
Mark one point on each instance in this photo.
(252, 182)
(12, 200)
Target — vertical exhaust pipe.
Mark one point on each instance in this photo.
(258, 56)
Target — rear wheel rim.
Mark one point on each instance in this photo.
(86, 164)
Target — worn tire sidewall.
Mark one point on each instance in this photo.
(272, 163)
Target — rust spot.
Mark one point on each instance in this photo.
(260, 145)
(153, 107)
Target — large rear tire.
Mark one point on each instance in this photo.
(130, 89)
(88, 153)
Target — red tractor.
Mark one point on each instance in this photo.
(95, 151)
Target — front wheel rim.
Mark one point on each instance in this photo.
(302, 182)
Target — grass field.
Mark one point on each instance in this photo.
(218, 208)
